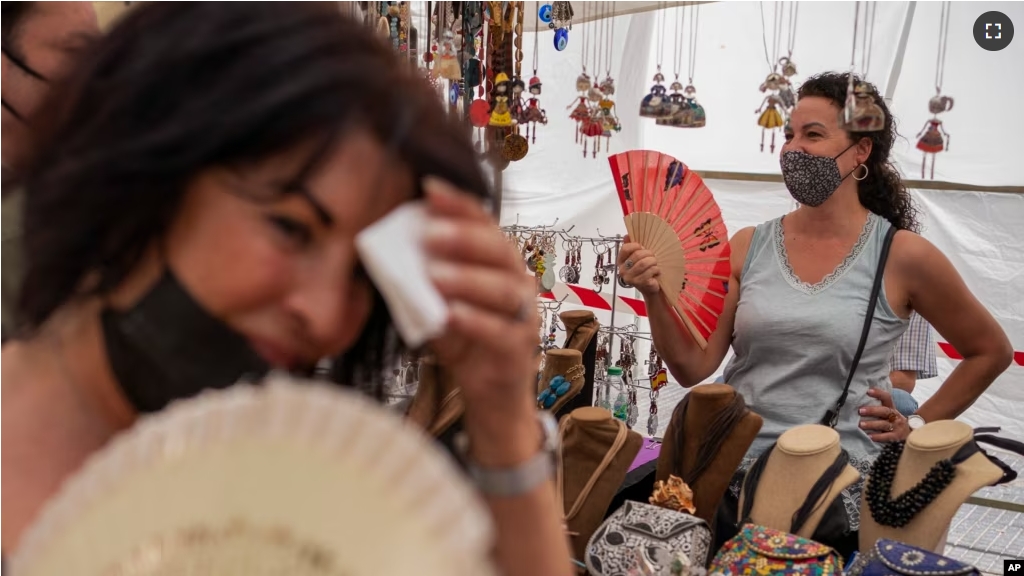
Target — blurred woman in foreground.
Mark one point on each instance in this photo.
(190, 216)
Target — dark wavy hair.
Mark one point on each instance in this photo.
(178, 87)
(882, 191)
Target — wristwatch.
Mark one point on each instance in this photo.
(915, 422)
(517, 480)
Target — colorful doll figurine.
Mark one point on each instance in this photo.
(447, 62)
(581, 113)
(534, 113)
(770, 118)
(933, 138)
(500, 115)
(867, 116)
(697, 119)
(655, 105)
(517, 106)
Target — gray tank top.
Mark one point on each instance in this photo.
(794, 342)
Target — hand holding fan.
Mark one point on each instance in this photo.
(669, 211)
(293, 477)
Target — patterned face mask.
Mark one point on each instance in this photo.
(812, 180)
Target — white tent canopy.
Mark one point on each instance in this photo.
(980, 231)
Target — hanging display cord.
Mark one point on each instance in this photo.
(940, 58)
(693, 41)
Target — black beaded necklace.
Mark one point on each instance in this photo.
(899, 511)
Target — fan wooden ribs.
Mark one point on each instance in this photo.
(671, 212)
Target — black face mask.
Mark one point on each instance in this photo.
(27, 70)
(168, 347)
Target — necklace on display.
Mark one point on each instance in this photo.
(770, 114)
(899, 511)
(861, 114)
(933, 138)
(655, 104)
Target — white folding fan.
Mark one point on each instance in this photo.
(291, 478)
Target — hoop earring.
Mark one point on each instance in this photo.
(865, 167)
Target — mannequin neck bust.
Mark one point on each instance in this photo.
(801, 456)
(568, 364)
(595, 455)
(690, 432)
(940, 441)
(705, 404)
(592, 416)
(924, 448)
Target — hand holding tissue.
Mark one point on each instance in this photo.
(392, 254)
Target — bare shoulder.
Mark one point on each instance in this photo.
(913, 254)
(740, 244)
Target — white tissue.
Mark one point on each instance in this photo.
(392, 254)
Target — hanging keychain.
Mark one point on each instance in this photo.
(933, 138)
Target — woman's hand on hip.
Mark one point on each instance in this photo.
(883, 423)
(639, 268)
(492, 341)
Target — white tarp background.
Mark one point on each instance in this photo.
(981, 233)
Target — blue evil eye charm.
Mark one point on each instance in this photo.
(561, 39)
(453, 94)
(544, 13)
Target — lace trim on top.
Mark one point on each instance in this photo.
(851, 495)
(830, 279)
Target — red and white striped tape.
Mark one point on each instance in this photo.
(588, 298)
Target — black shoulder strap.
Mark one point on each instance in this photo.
(832, 416)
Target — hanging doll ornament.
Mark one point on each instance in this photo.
(933, 138)
(447, 58)
(501, 116)
(581, 112)
(861, 113)
(655, 104)
(770, 116)
(606, 106)
(609, 120)
(517, 106)
(534, 113)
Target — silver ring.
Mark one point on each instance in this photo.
(891, 427)
(629, 264)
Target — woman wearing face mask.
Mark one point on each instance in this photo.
(799, 290)
(190, 220)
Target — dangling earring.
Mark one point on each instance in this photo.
(865, 167)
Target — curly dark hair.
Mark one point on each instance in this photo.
(882, 191)
(178, 87)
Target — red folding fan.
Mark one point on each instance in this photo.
(669, 211)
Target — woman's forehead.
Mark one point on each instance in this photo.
(813, 109)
